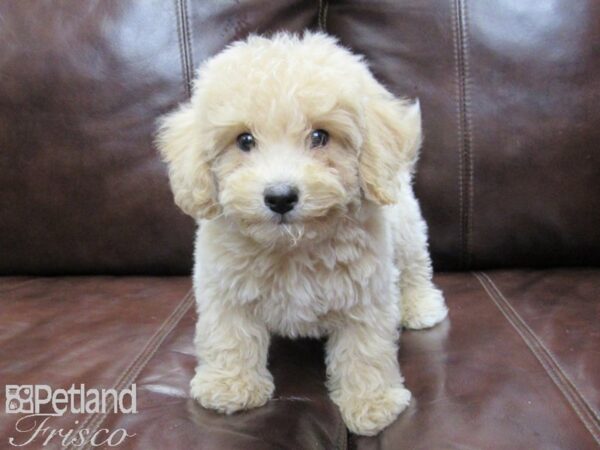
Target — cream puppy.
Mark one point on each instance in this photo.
(297, 165)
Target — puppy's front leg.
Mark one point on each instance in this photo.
(363, 374)
(232, 351)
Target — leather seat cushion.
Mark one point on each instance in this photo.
(514, 366)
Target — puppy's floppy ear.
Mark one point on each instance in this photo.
(191, 180)
(391, 144)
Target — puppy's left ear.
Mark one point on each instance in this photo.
(391, 144)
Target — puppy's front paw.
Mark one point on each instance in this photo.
(230, 393)
(423, 307)
(367, 416)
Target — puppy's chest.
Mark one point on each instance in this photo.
(297, 291)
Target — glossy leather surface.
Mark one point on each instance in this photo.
(561, 308)
(111, 332)
(508, 178)
(477, 381)
(509, 93)
(81, 187)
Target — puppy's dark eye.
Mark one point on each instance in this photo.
(318, 138)
(246, 142)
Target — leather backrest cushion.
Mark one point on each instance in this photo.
(510, 168)
(82, 189)
(509, 91)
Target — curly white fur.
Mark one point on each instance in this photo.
(349, 262)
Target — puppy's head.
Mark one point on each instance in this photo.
(284, 136)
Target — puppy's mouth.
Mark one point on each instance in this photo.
(283, 219)
(289, 230)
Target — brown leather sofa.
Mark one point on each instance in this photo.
(96, 258)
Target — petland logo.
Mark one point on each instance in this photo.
(41, 403)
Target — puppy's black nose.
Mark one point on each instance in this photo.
(281, 199)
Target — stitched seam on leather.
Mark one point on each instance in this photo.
(18, 286)
(465, 160)
(569, 391)
(342, 436)
(180, 42)
(560, 371)
(323, 8)
(185, 47)
(139, 362)
(169, 325)
(469, 133)
(188, 42)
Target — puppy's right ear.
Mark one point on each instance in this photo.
(191, 179)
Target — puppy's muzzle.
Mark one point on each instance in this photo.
(281, 198)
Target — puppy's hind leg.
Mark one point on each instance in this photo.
(422, 303)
